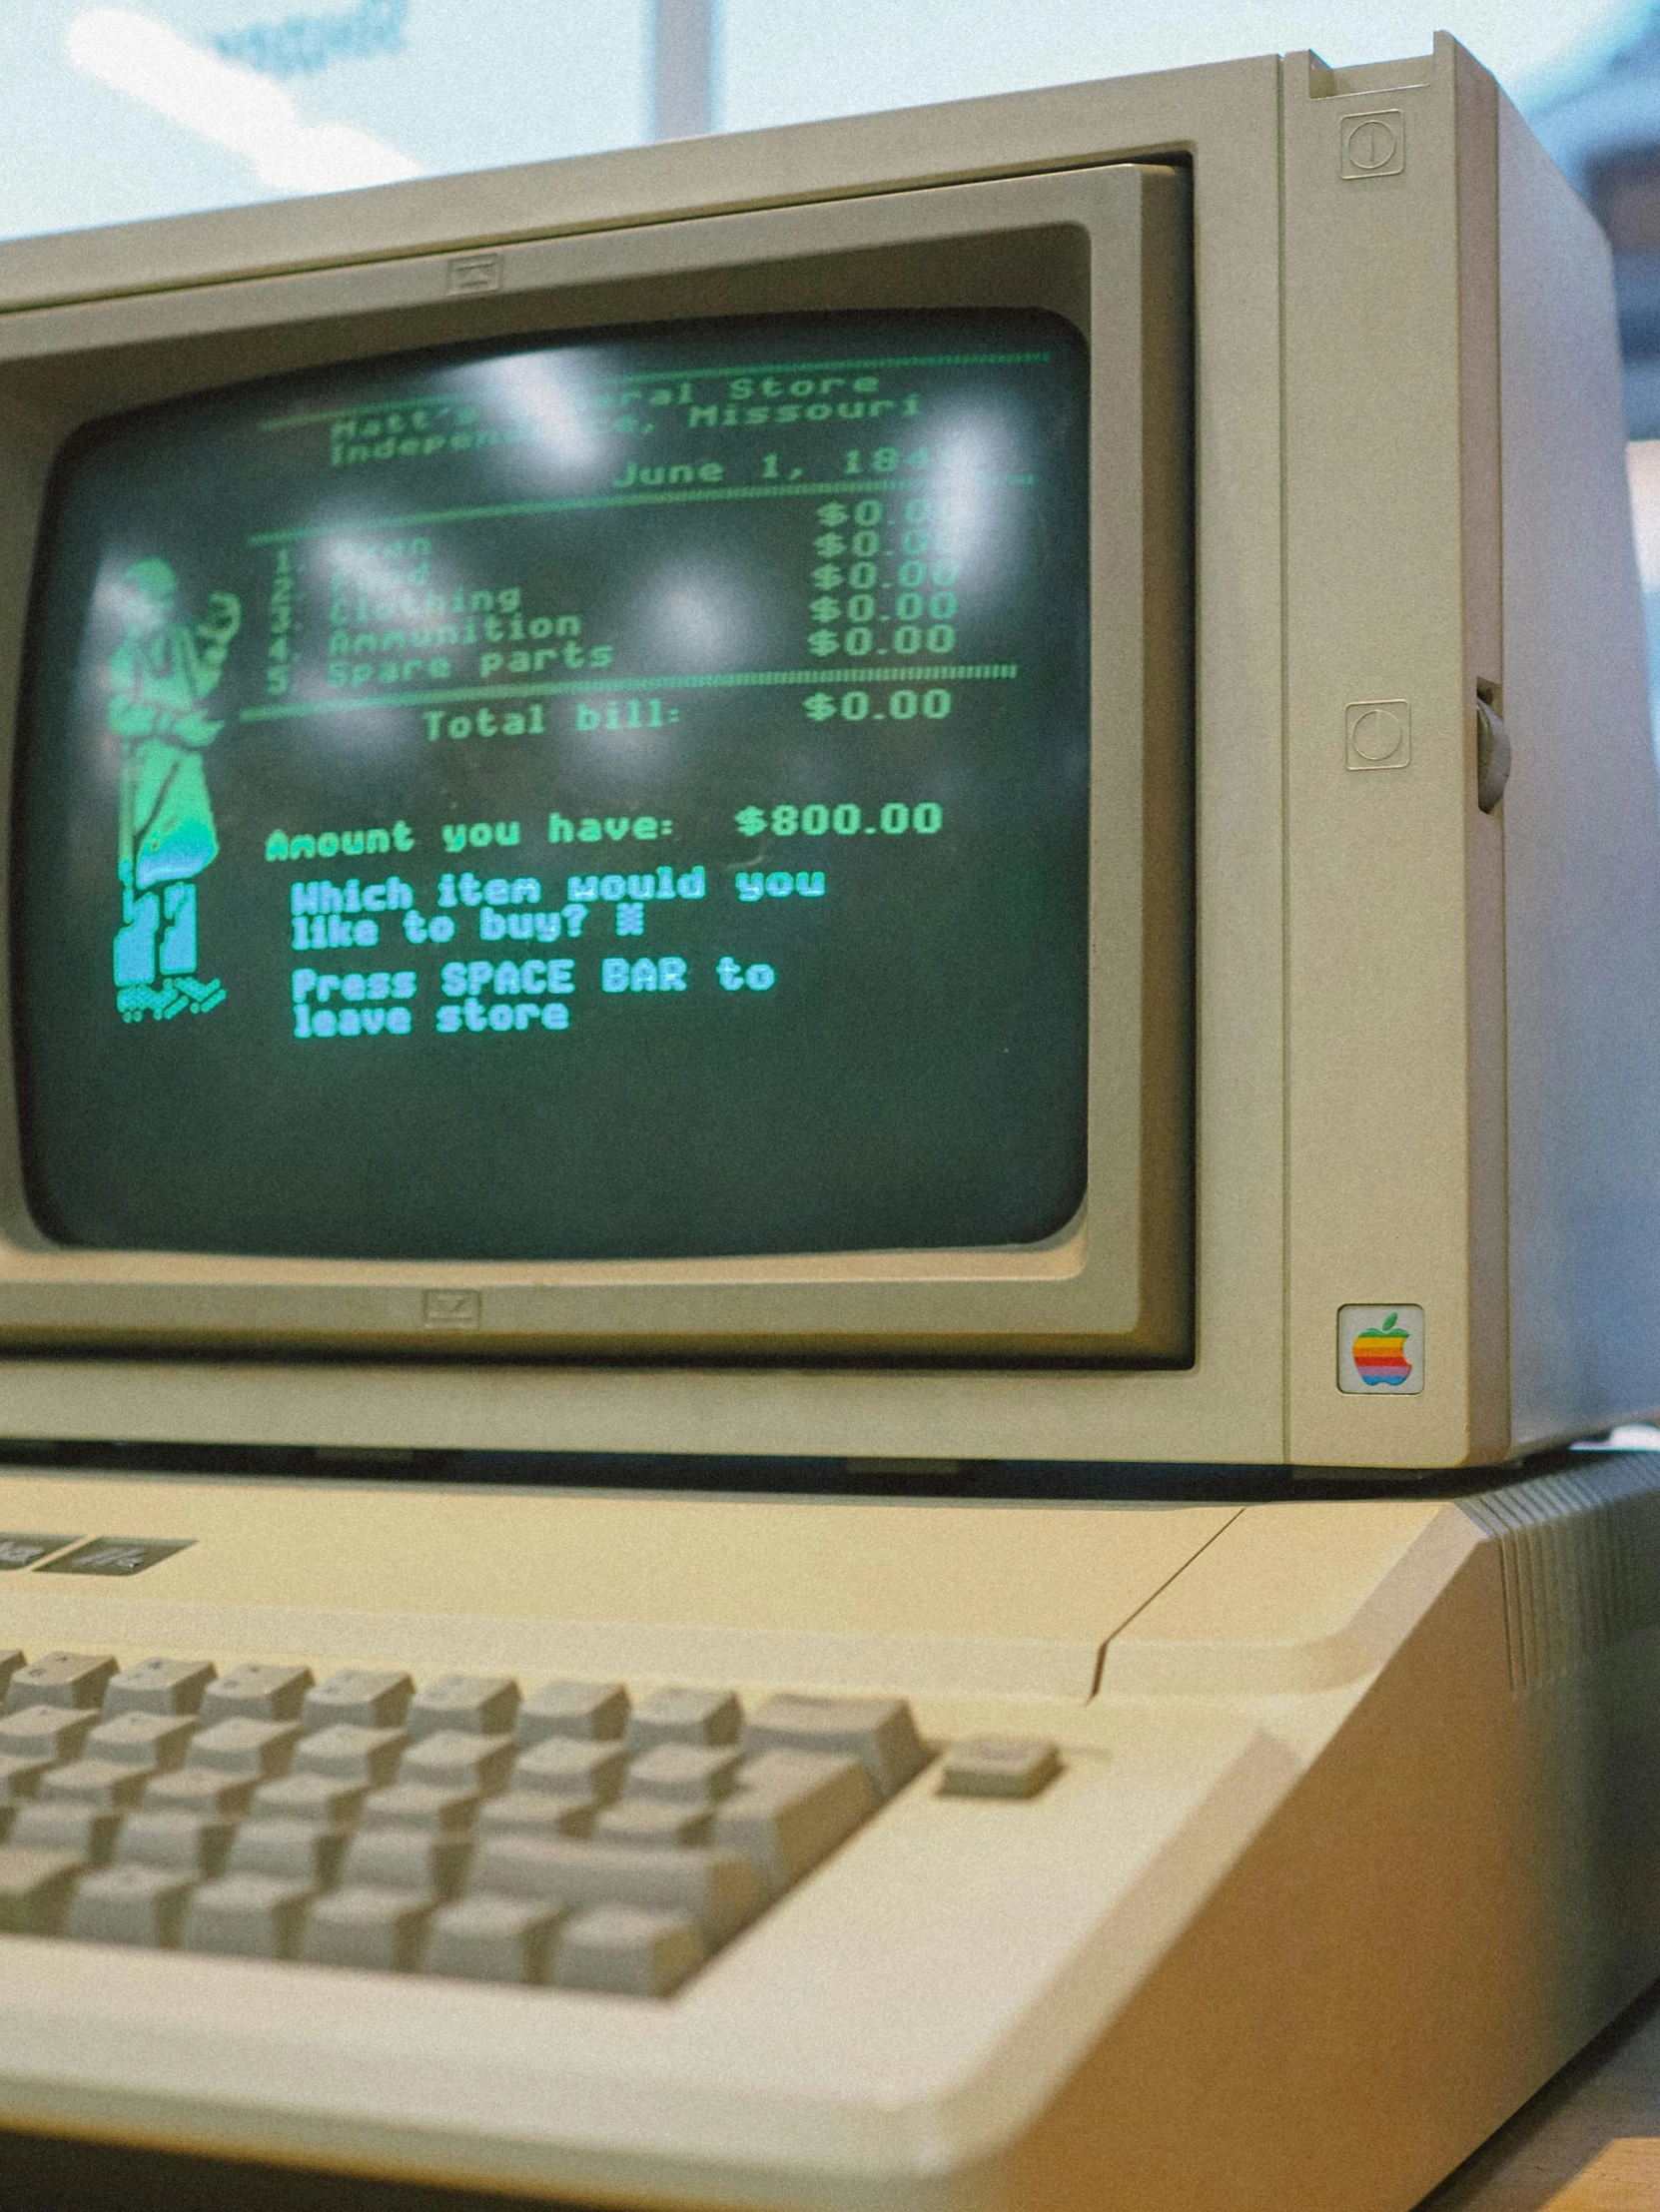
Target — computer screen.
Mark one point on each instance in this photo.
(622, 797)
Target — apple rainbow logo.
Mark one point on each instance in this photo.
(1380, 1354)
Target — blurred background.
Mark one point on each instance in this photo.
(113, 113)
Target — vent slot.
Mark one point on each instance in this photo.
(1580, 1556)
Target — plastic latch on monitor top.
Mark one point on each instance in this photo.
(1381, 1350)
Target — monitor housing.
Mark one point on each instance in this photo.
(1375, 1045)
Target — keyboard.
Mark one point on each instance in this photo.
(575, 1835)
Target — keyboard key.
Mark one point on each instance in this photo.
(305, 1851)
(95, 1781)
(20, 1779)
(313, 1798)
(251, 1749)
(411, 1858)
(45, 1731)
(347, 1752)
(363, 1926)
(792, 1810)
(629, 1952)
(247, 1917)
(454, 1760)
(188, 1842)
(359, 1698)
(425, 1805)
(84, 1833)
(684, 1774)
(568, 1769)
(491, 1939)
(483, 1705)
(149, 1741)
(878, 1732)
(535, 1812)
(166, 1687)
(721, 1892)
(1000, 1767)
(199, 1791)
(564, 1838)
(685, 1716)
(593, 1712)
(257, 1691)
(35, 1889)
(130, 1904)
(652, 1822)
(75, 1679)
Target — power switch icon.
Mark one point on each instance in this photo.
(1372, 144)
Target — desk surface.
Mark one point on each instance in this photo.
(1588, 2143)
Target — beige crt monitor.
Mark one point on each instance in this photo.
(1323, 1825)
(1355, 1043)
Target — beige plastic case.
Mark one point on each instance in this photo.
(1358, 1839)
(1422, 1034)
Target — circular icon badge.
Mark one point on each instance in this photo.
(1371, 143)
(1376, 734)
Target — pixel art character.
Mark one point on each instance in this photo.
(158, 674)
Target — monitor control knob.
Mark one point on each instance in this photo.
(1492, 757)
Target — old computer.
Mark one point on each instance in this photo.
(831, 1086)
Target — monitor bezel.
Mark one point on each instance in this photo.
(1108, 248)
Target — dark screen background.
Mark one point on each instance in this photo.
(787, 618)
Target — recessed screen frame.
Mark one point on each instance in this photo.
(1107, 249)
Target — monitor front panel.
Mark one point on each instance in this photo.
(640, 811)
